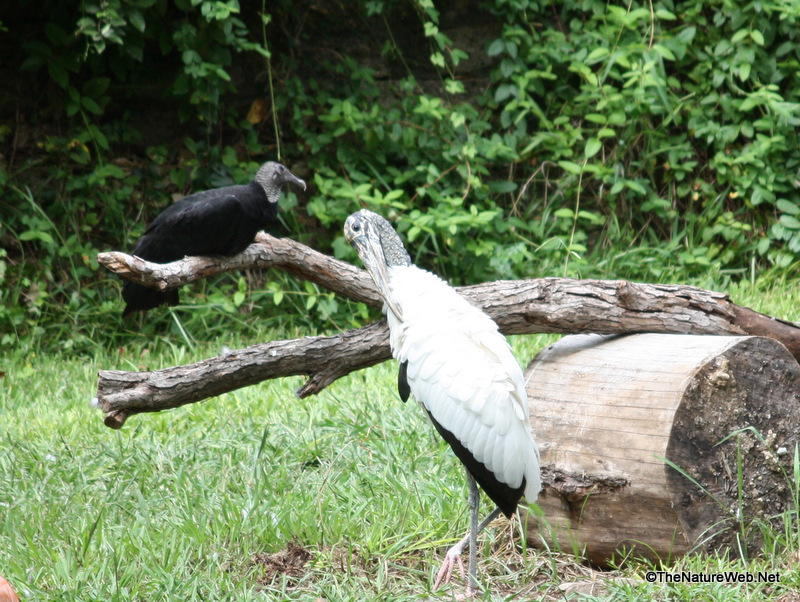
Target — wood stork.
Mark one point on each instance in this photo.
(458, 366)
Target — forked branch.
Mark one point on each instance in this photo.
(547, 305)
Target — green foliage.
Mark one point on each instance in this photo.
(618, 127)
(650, 141)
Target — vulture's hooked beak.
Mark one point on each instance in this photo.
(290, 178)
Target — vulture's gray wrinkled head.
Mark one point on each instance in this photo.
(272, 176)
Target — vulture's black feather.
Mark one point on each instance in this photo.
(223, 221)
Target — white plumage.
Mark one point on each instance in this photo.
(461, 369)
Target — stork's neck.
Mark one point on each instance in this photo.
(394, 252)
(423, 296)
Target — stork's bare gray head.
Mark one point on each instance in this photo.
(379, 248)
(272, 177)
(365, 225)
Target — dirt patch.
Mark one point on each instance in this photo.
(289, 563)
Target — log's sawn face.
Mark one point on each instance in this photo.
(610, 410)
(740, 407)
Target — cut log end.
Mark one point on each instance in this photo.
(679, 418)
(735, 434)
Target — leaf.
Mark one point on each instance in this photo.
(687, 35)
(664, 52)
(393, 195)
(570, 166)
(453, 86)
(109, 170)
(257, 111)
(757, 37)
(596, 118)
(58, 74)
(596, 54)
(96, 86)
(90, 105)
(37, 235)
(787, 207)
(137, 20)
(593, 146)
(503, 92)
(99, 136)
(744, 71)
(722, 47)
(496, 47)
(503, 186)
(636, 187)
(739, 36)
(617, 118)
(789, 221)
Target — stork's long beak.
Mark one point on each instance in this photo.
(371, 254)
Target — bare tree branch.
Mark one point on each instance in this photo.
(267, 252)
(548, 305)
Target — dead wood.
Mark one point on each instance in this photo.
(662, 443)
(547, 305)
(267, 252)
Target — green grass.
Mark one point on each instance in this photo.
(214, 501)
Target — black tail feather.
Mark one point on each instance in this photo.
(502, 494)
(141, 298)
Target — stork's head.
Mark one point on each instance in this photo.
(272, 176)
(379, 248)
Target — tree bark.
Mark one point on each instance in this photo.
(548, 305)
(679, 442)
(267, 252)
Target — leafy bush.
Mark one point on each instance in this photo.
(654, 141)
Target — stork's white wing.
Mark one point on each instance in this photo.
(473, 387)
(462, 370)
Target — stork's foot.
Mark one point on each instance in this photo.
(451, 559)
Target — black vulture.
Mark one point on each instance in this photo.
(222, 221)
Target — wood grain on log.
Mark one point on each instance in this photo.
(614, 408)
(547, 305)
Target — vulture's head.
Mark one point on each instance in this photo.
(272, 177)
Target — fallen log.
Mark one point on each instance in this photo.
(655, 445)
(548, 305)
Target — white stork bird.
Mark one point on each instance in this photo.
(461, 370)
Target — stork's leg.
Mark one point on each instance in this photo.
(474, 501)
(453, 555)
